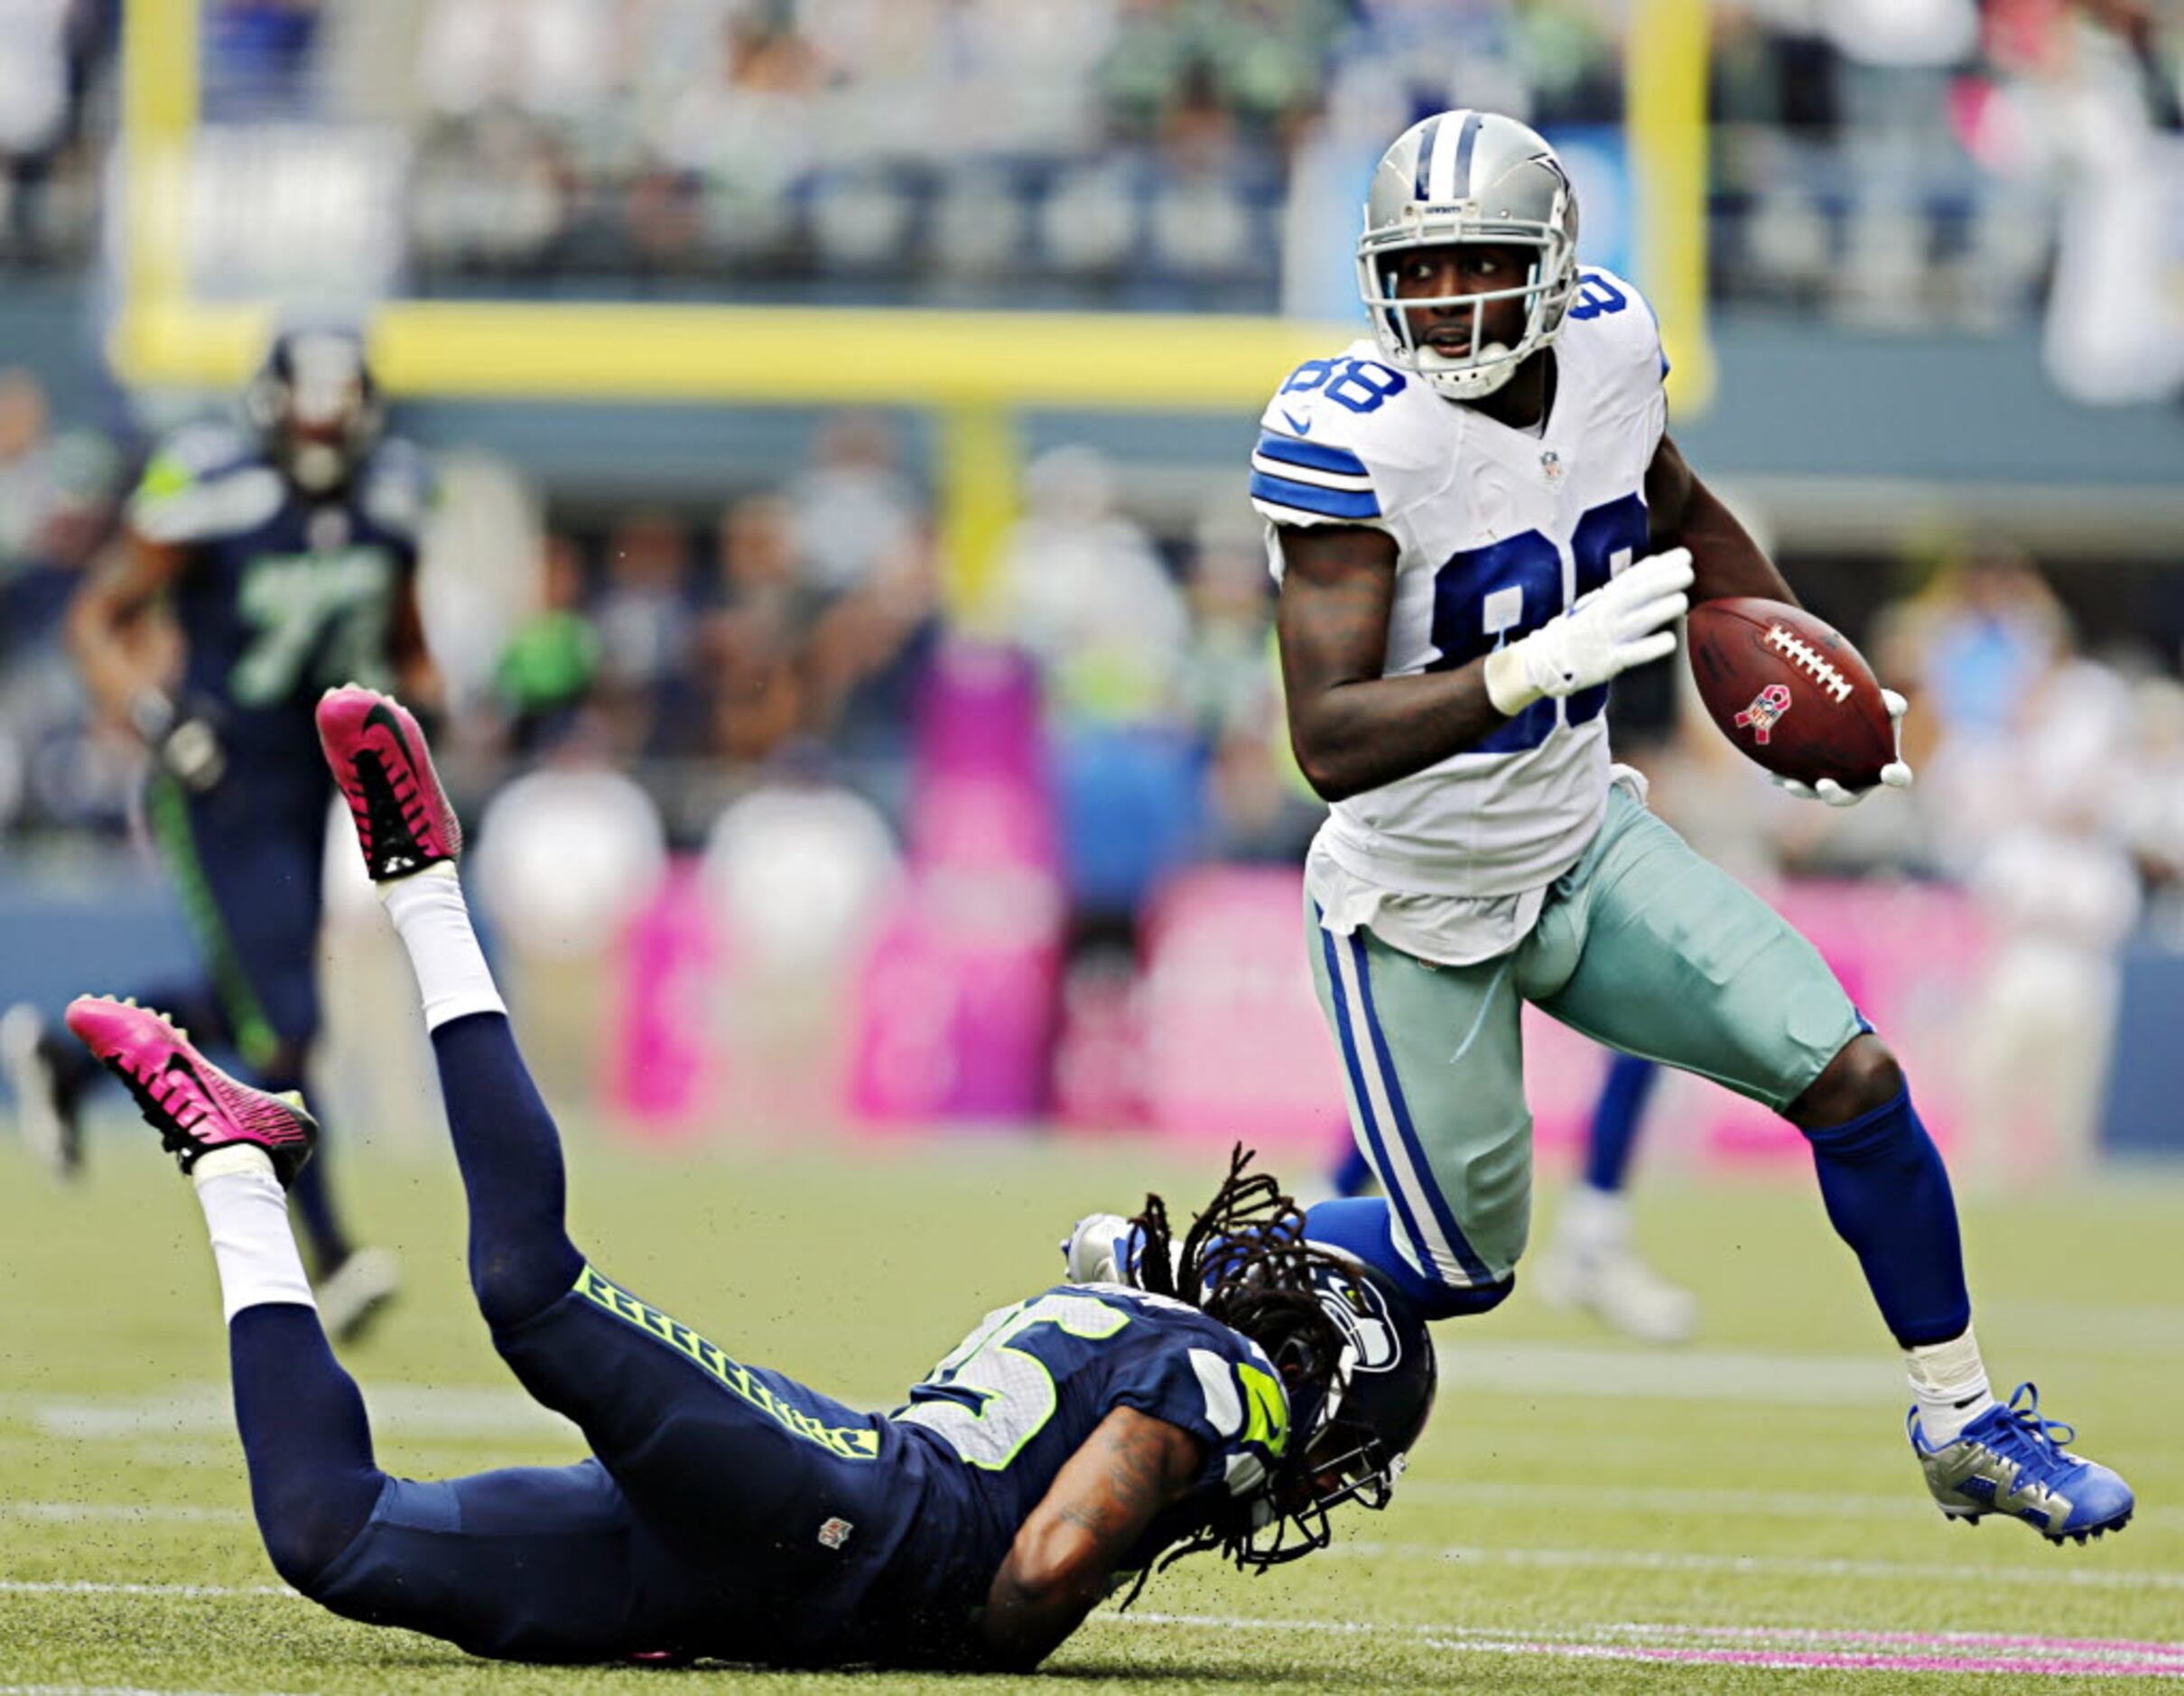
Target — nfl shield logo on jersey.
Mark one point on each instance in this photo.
(1552, 468)
(835, 1533)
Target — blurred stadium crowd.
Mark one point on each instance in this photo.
(793, 628)
(1902, 161)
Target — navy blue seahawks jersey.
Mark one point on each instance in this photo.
(1001, 1414)
(282, 593)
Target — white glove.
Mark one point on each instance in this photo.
(1895, 775)
(1616, 627)
(184, 745)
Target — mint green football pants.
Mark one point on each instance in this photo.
(1643, 946)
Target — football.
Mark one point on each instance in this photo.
(1790, 692)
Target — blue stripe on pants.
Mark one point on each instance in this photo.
(1475, 1268)
(1395, 1196)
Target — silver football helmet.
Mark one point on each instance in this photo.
(1469, 176)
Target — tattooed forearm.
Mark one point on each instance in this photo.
(1102, 1501)
(1135, 1474)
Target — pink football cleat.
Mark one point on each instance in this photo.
(379, 758)
(193, 1106)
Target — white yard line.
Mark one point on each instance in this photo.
(126, 1512)
(1803, 1647)
(99, 1690)
(100, 1587)
(1726, 1503)
(1792, 1566)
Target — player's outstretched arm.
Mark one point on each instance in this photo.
(1099, 1507)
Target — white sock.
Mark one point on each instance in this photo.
(1949, 1382)
(247, 1212)
(434, 925)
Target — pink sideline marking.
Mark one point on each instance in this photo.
(2055, 1667)
(1965, 1639)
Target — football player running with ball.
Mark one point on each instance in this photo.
(727, 1510)
(1478, 520)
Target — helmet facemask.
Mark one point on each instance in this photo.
(1550, 285)
(1468, 179)
(316, 407)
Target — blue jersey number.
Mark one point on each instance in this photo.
(1360, 385)
(1597, 295)
(1485, 597)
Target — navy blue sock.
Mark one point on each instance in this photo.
(1353, 1174)
(1616, 1117)
(522, 1261)
(1888, 1196)
(305, 1439)
(1363, 1228)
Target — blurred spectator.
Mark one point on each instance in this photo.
(258, 55)
(854, 511)
(752, 642)
(645, 629)
(1083, 590)
(2061, 895)
(546, 672)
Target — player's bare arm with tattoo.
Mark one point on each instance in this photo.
(1683, 512)
(1100, 1505)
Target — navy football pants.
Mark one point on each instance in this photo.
(727, 1510)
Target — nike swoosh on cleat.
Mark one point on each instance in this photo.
(380, 714)
(1303, 426)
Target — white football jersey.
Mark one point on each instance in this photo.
(1499, 531)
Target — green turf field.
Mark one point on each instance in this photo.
(1582, 1517)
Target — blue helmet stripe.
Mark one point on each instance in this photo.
(1465, 140)
(1318, 455)
(1329, 503)
(1419, 186)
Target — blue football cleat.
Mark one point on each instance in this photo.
(2012, 1460)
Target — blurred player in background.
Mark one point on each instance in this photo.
(286, 555)
(728, 1510)
(1477, 520)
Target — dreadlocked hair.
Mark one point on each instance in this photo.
(1244, 1261)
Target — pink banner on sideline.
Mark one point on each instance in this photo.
(663, 1071)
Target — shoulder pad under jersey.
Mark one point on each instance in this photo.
(1346, 439)
(1611, 314)
(205, 481)
(1215, 1383)
(397, 487)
